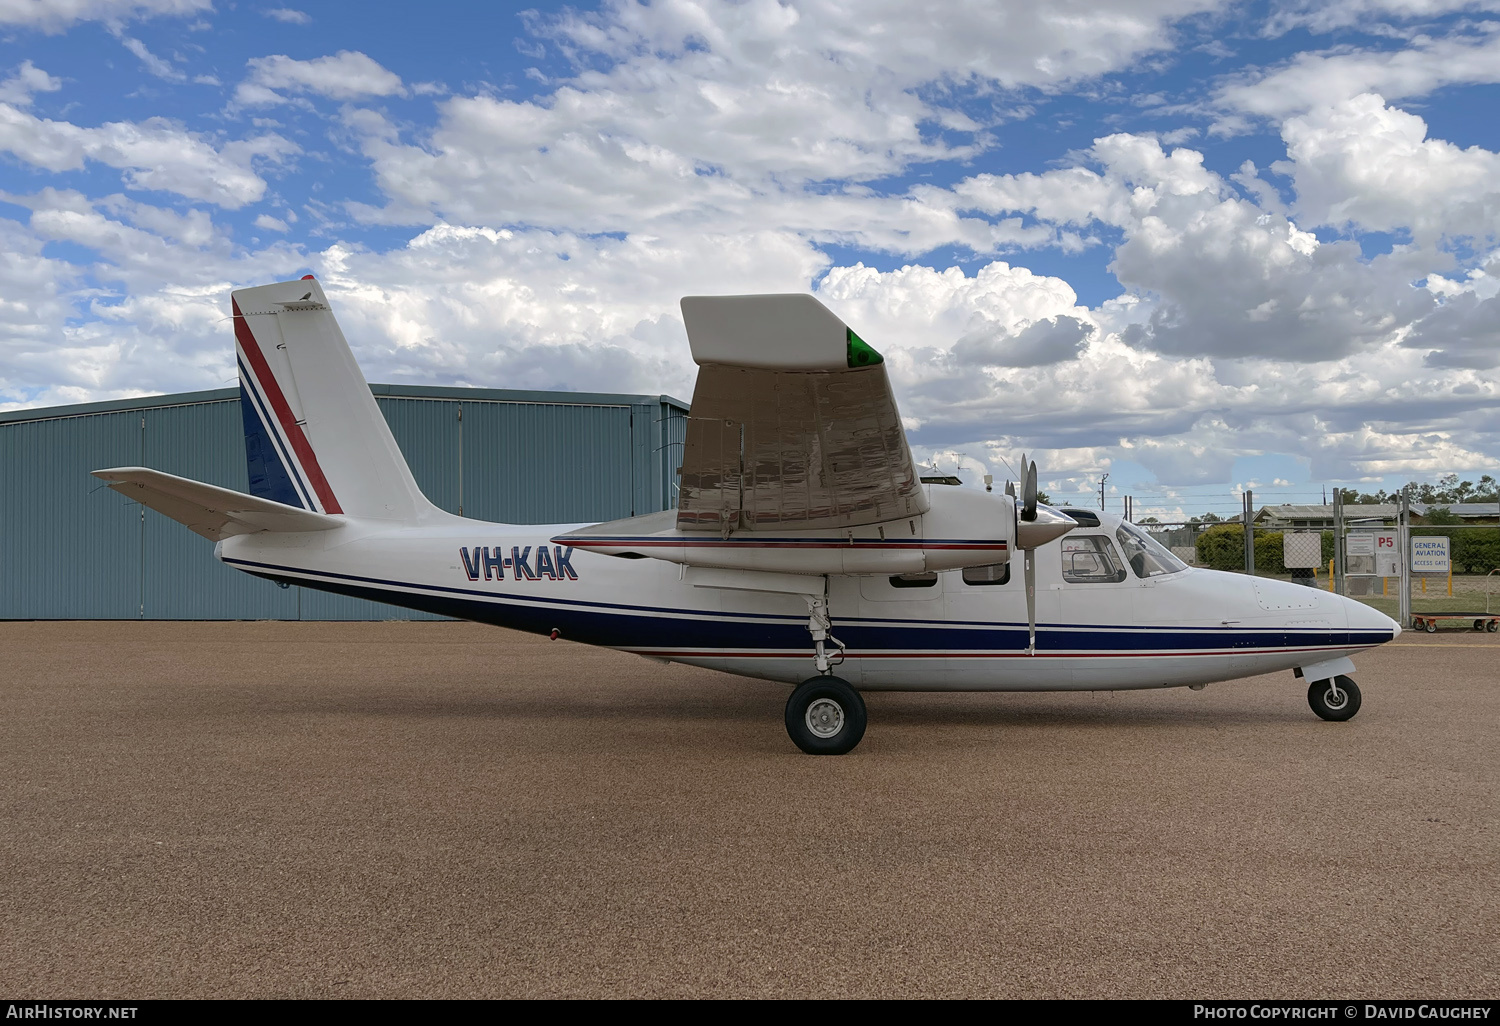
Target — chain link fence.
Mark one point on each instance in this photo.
(1452, 570)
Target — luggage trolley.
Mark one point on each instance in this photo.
(1485, 621)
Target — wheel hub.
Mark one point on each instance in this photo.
(824, 717)
(1335, 698)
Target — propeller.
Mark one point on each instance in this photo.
(1035, 527)
(1027, 513)
(1028, 494)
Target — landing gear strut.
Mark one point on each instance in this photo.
(821, 628)
(825, 716)
(1334, 699)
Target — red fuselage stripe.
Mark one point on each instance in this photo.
(283, 410)
(669, 653)
(832, 543)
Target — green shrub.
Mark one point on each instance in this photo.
(1223, 548)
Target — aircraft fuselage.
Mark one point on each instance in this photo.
(1194, 626)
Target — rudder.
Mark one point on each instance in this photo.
(314, 435)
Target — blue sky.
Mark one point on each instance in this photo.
(1198, 246)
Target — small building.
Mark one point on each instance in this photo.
(72, 549)
(1300, 517)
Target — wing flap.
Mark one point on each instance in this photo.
(215, 513)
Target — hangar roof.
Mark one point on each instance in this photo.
(452, 392)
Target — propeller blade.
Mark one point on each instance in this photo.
(1030, 555)
(1028, 508)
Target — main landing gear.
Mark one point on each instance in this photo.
(825, 716)
(1335, 699)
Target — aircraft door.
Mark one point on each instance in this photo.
(1098, 592)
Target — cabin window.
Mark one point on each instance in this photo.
(995, 573)
(1090, 559)
(914, 581)
(1146, 556)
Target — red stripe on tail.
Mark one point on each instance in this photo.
(283, 411)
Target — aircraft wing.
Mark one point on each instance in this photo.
(209, 510)
(793, 423)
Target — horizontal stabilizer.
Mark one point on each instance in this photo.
(214, 512)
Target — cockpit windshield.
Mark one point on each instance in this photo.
(1146, 556)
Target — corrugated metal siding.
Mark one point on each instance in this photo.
(428, 432)
(67, 549)
(532, 463)
(72, 549)
(672, 433)
(181, 579)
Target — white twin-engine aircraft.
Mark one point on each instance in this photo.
(805, 547)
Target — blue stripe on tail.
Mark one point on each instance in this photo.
(268, 474)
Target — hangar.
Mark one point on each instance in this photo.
(72, 549)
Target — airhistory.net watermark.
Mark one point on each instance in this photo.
(68, 1010)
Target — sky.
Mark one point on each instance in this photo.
(1196, 246)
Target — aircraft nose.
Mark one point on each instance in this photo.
(1368, 618)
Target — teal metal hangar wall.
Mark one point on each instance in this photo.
(71, 549)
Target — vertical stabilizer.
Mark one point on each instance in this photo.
(314, 436)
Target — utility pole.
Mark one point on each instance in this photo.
(1249, 532)
(1403, 536)
(1338, 540)
(1101, 491)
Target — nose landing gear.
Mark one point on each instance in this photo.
(1335, 699)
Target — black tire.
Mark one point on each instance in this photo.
(825, 716)
(1479, 625)
(1492, 626)
(1431, 626)
(1317, 697)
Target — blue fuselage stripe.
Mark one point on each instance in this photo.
(653, 628)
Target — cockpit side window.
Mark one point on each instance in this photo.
(1090, 559)
(1146, 556)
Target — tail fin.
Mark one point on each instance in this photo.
(314, 437)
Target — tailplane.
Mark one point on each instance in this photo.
(314, 436)
(214, 512)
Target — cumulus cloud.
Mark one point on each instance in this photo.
(1223, 275)
(288, 15)
(1311, 80)
(1368, 165)
(714, 147)
(1327, 15)
(1463, 332)
(153, 154)
(56, 15)
(1042, 342)
(710, 107)
(19, 89)
(347, 75)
